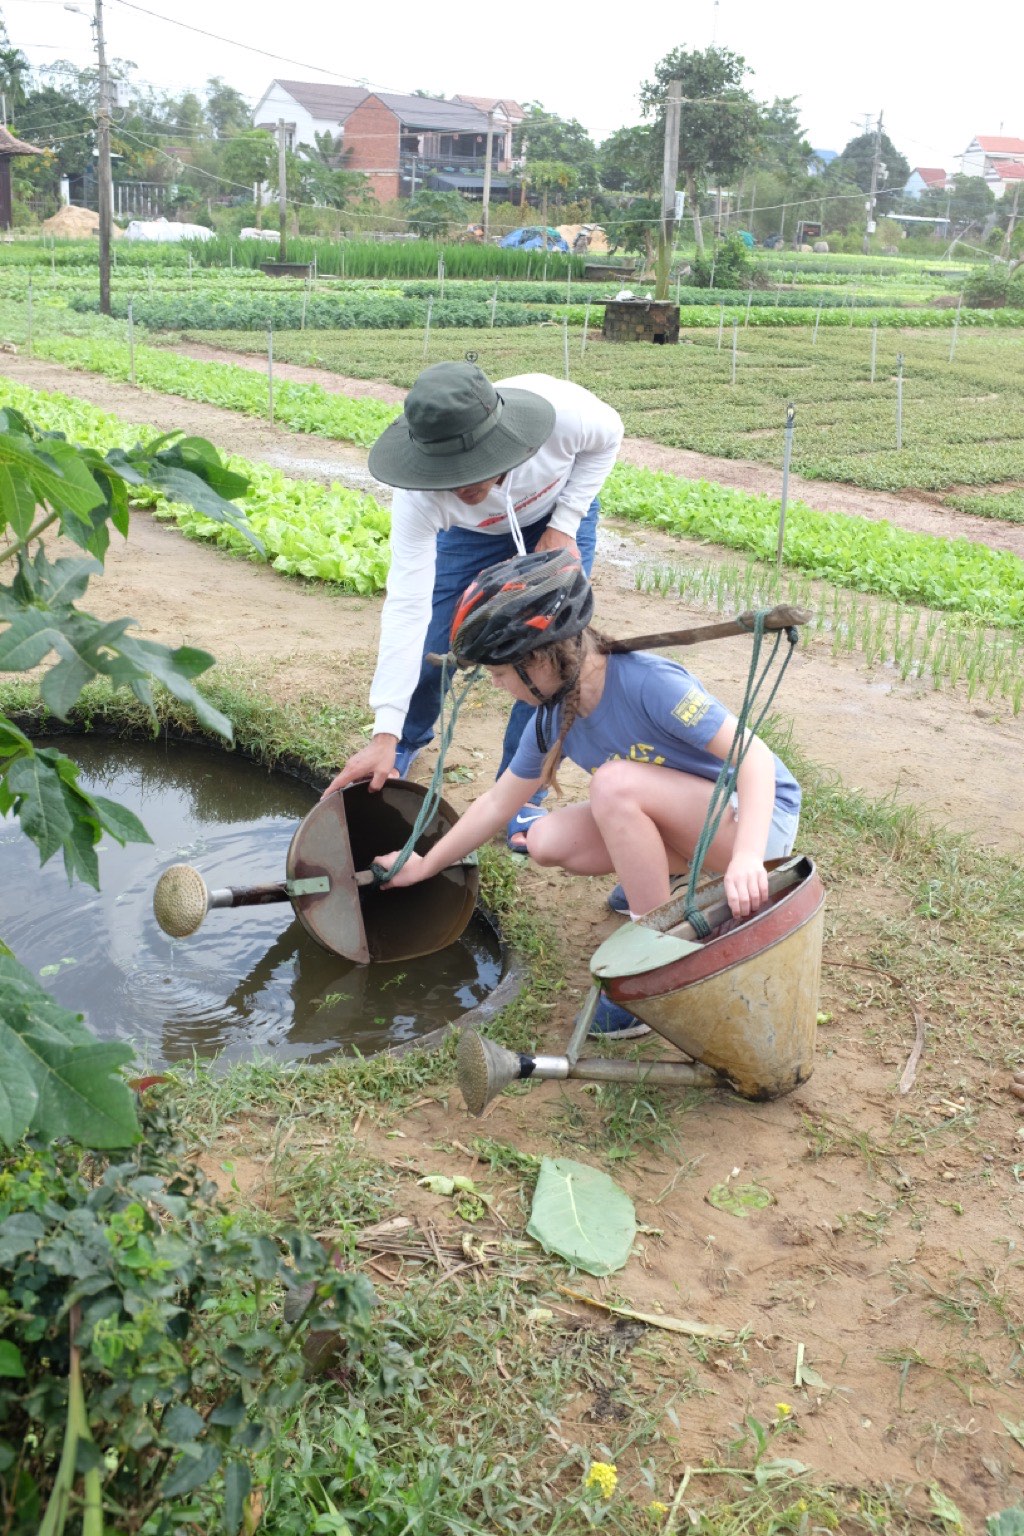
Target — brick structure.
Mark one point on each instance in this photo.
(372, 136)
(652, 320)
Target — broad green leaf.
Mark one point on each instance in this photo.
(81, 1094)
(27, 640)
(1008, 1522)
(10, 1359)
(65, 580)
(194, 1467)
(237, 1484)
(19, 1234)
(12, 740)
(181, 1424)
(583, 1216)
(19, 1096)
(739, 1199)
(121, 823)
(41, 803)
(17, 501)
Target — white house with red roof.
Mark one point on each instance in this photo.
(925, 178)
(999, 159)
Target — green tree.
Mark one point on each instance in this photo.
(856, 160)
(721, 125)
(431, 214)
(249, 160)
(546, 177)
(55, 1078)
(544, 136)
(782, 147)
(227, 109)
(325, 179)
(625, 162)
(968, 201)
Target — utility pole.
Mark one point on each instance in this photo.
(1011, 224)
(487, 173)
(876, 161)
(669, 177)
(282, 191)
(105, 187)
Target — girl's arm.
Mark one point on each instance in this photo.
(488, 814)
(746, 880)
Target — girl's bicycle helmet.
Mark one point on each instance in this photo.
(518, 606)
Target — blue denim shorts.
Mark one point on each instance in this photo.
(782, 832)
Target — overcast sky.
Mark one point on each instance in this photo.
(940, 79)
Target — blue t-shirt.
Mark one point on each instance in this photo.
(651, 711)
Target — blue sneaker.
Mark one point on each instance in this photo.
(616, 899)
(610, 1022)
(404, 759)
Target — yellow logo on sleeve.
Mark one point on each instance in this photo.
(693, 706)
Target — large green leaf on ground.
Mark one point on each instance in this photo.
(583, 1216)
(57, 1079)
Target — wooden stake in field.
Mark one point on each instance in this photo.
(131, 343)
(787, 454)
(721, 326)
(270, 376)
(440, 276)
(494, 304)
(426, 328)
(956, 326)
(565, 343)
(305, 301)
(899, 402)
(746, 317)
(817, 322)
(735, 348)
(28, 321)
(586, 326)
(874, 348)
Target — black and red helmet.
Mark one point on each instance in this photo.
(518, 606)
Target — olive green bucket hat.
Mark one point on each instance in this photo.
(458, 429)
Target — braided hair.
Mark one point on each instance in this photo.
(568, 657)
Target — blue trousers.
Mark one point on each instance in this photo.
(461, 555)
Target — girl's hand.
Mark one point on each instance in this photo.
(411, 872)
(746, 885)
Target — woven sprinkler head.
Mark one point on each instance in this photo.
(180, 901)
(484, 1069)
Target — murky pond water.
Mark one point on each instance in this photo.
(251, 980)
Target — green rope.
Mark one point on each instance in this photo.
(726, 781)
(432, 798)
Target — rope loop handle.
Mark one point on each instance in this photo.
(726, 781)
(432, 798)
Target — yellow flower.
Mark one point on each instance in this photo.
(657, 1509)
(603, 1477)
(783, 1410)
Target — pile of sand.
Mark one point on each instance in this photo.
(598, 242)
(70, 223)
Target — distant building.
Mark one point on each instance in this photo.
(997, 159)
(400, 143)
(925, 178)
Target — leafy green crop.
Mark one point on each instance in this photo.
(325, 533)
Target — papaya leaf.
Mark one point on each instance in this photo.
(79, 1091)
(583, 1216)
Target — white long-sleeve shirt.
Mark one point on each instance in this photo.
(566, 473)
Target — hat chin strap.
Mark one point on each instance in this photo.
(513, 523)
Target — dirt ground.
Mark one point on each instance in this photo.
(891, 1250)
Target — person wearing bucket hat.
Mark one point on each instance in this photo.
(482, 472)
(651, 738)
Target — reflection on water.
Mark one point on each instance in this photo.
(251, 980)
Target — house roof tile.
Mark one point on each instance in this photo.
(327, 103)
(430, 113)
(512, 110)
(994, 145)
(1010, 170)
(931, 175)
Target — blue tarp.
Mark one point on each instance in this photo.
(532, 239)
